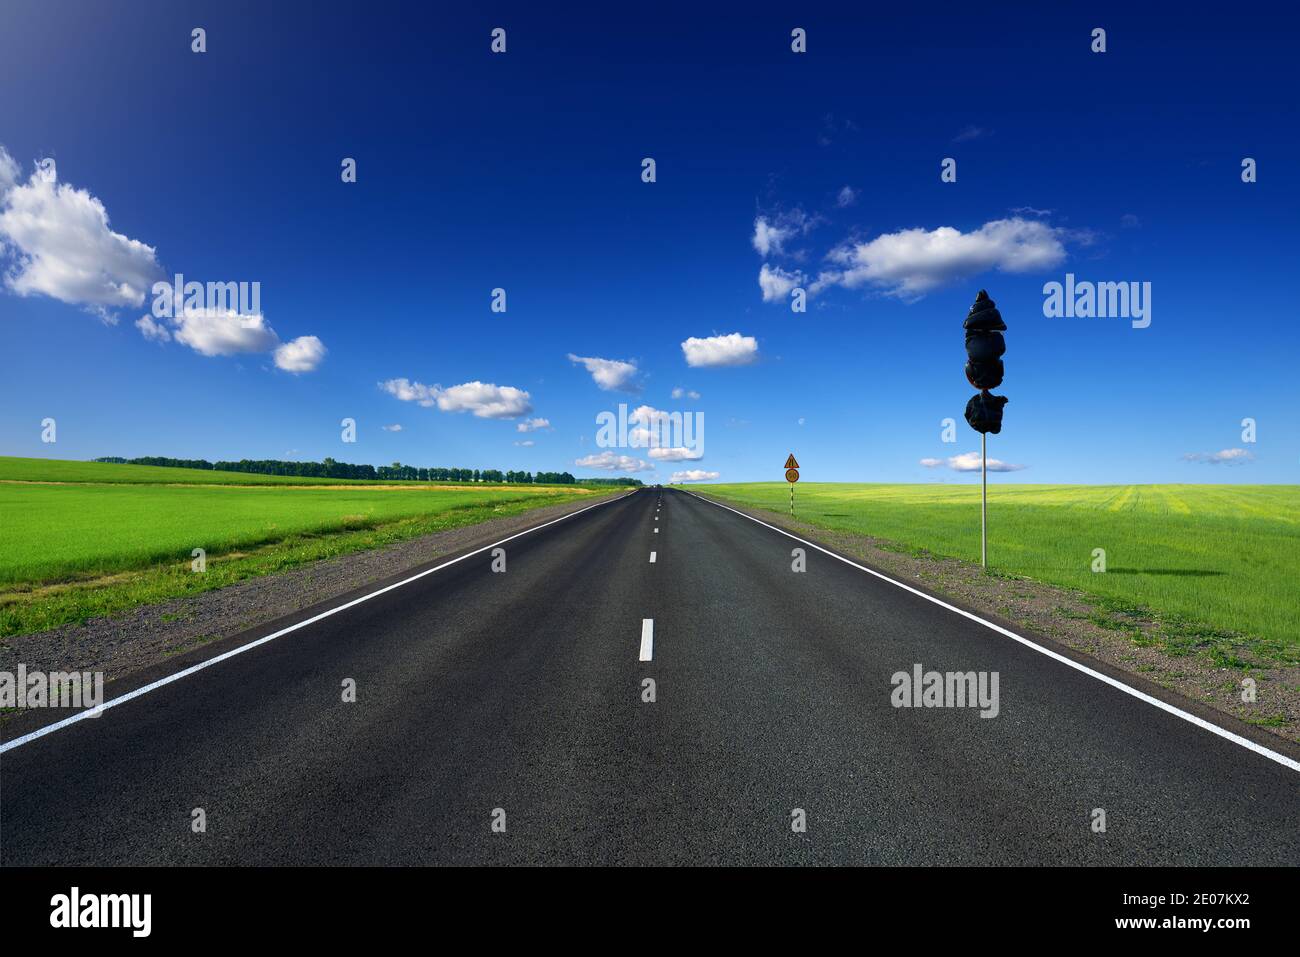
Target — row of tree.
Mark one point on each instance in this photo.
(344, 470)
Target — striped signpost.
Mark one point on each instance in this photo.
(791, 476)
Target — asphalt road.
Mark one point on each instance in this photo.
(522, 691)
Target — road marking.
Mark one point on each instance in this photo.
(185, 673)
(647, 638)
(656, 531)
(1210, 726)
(652, 558)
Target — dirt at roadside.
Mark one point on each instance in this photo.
(1065, 616)
(150, 634)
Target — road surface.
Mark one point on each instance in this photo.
(516, 698)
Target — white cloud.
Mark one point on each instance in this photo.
(657, 428)
(533, 425)
(614, 462)
(609, 374)
(848, 196)
(677, 454)
(970, 462)
(484, 399)
(215, 332)
(409, 391)
(526, 443)
(729, 350)
(655, 424)
(392, 428)
(767, 237)
(153, 331)
(648, 414)
(679, 393)
(911, 262)
(970, 133)
(802, 420)
(61, 245)
(771, 233)
(1225, 457)
(303, 354)
(694, 475)
(776, 282)
(224, 332)
(9, 171)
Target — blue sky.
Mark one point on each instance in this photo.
(523, 171)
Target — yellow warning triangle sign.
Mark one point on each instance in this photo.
(790, 463)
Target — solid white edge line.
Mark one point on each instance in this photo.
(647, 639)
(186, 672)
(1210, 726)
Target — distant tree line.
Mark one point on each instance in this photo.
(343, 470)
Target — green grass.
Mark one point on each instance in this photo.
(69, 552)
(55, 533)
(67, 470)
(1212, 561)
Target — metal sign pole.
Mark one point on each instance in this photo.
(791, 498)
(984, 348)
(984, 500)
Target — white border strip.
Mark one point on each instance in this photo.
(185, 673)
(1127, 689)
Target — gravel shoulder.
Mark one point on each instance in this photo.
(1070, 620)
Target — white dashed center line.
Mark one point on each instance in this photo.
(652, 558)
(647, 639)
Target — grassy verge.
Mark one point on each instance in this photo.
(59, 533)
(30, 605)
(1194, 570)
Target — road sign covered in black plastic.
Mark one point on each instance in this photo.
(984, 348)
(984, 412)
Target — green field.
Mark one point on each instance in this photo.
(67, 470)
(1222, 557)
(54, 533)
(94, 538)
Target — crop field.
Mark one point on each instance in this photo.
(93, 538)
(1225, 557)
